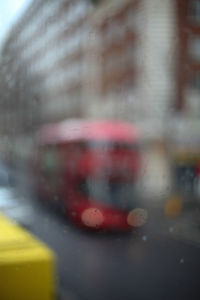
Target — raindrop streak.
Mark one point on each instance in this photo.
(144, 238)
(181, 260)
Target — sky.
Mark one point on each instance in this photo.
(9, 12)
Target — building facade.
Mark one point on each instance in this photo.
(134, 60)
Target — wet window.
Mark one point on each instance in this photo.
(99, 149)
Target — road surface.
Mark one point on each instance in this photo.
(141, 266)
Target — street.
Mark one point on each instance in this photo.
(142, 265)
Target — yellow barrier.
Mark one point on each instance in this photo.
(26, 265)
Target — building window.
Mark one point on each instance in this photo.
(194, 48)
(195, 81)
(119, 42)
(188, 52)
(194, 11)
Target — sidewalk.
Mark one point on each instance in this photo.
(185, 227)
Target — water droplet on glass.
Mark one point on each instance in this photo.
(144, 238)
(181, 260)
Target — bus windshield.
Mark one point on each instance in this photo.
(120, 194)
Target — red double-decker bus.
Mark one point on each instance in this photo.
(90, 168)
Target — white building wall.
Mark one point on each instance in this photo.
(157, 80)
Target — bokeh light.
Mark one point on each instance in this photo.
(173, 206)
(92, 217)
(137, 217)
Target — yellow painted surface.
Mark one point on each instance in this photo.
(27, 269)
